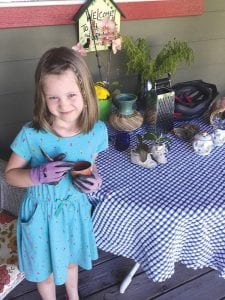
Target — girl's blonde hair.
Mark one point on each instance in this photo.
(56, 61)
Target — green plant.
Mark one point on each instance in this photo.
(140, 58)
(157, 138)
(142, 148)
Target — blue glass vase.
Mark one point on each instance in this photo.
(122, 141)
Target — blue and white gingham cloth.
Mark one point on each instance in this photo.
(174, 212)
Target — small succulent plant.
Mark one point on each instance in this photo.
(157, 138)
(154, 138)
(142, 148)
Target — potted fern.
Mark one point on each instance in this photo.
(147, 67)
(149, 70)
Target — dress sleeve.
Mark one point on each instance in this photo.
(102, 137)
(20, 145)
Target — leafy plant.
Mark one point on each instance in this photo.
(142, 148)
(140, 59)
(157, 138)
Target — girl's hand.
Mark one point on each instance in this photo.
(88, 184)
(51, 172)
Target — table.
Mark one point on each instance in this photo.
(157, 217)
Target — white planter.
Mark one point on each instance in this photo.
(203, 143)
(148, 163)
(218, 137)
(158, 152)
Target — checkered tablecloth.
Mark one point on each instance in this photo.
(175, 212)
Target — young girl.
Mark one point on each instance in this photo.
(54, 232)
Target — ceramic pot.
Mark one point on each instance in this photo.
(122, 141)
(158, 152)
(148, 163)
(218, 136)
(203, 143)
(125, 103)
(104, 109)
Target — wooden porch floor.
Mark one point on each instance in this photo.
(103, 282)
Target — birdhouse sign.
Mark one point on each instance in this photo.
(90, 18)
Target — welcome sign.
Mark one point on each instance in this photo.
(90, 20)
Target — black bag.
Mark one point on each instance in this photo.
(192, 98)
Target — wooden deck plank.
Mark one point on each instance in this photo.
(26, 287)
(143, 288)
(104, 275)
(209, 286)
(103, 282)
(34, 295)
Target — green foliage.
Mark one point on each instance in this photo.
(142, 148)
(140, 60)
(156, 138)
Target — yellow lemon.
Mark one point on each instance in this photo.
(101, 92)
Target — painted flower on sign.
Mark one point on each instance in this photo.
(109, 35)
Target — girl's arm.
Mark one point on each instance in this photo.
(16, 174)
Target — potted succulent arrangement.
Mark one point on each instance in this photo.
(141, 154)
(160, 145)
(154, 152)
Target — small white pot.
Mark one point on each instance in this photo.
(158, 152)
(203, 143)
(218, 137)
(148, 163)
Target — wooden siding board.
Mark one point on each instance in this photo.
(17, 76)
(213, 73)
(17, 107)
(7, 134)
(215, 5)
(209, 52)
(30, 43)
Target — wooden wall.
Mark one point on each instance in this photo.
(21, 48)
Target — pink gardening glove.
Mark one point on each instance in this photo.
(88, 184)
(50, 172)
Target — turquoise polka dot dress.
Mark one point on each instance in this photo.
(54, 226)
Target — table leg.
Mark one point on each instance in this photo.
(127, 280)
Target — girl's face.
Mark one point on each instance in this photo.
(63, 97)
